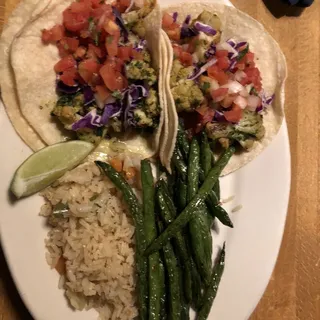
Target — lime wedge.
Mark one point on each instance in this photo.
(47, 165)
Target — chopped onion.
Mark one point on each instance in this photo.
(253, 102)
(127, 163)
(239, 75)
(232, 65)
(226, 46)
(249, 87)
(195, 58)
(214, 85)
(244, 93)
(241, 102)
(185, 47)
(205, 28)
(233, 86)
(228, 101)
(203, 69)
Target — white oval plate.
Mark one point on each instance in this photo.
(261, 187)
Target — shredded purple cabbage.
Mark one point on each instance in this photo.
(232, 65)
(219, 117)
(88, 95)
(63, 88)
(93, 120)
(205, 28)
(131, 98)
(240, 44)
(232, 43)
(140, 45)
(186, 30)
(111, 110)
(187, 19)
(175, 16)
(90, 120)
(211, 51)
(197, 72)
(266, 101)
(121, 24)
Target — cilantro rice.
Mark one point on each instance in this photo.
(92, 244)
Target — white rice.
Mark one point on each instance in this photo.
(96, 241)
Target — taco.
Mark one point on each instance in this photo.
(89, 70)
(226, 77)
(26, 12)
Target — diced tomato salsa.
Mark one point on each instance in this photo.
(228, 70)
(88, 44)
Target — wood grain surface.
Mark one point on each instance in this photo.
(294, 289)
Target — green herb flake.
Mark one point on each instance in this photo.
(243, 53)
(117, 95)
(205, 86)
(109, 39)
(139, 64)
(96, 38)
(253, 91)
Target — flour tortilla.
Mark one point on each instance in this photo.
(33, 63)
(269, 59)
(171, 124)
(25, 12)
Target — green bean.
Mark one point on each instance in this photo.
(168, 213)
(137, 214)
(196, 285)
(183, 142)
(216, 187)
(193, 169)
(200, 235)
(163, 186)
(163, 310)
(211, 291)
(206, 154)
(181, 194)
(184, 305)
(150, 228)
(212, 203)
(189, 212)
(222, 215)
(173, 273)
(179, 164)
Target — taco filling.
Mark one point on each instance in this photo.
(105, 81)
(215, 84)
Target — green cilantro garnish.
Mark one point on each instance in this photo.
(117, 95)
(96, 38)
(109, 39)
(205, 86)
(254, 91)
(138, 64)
(92, 25)
(243, 53)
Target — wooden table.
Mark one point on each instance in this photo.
(294, 289)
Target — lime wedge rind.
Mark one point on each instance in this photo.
(47, 165)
